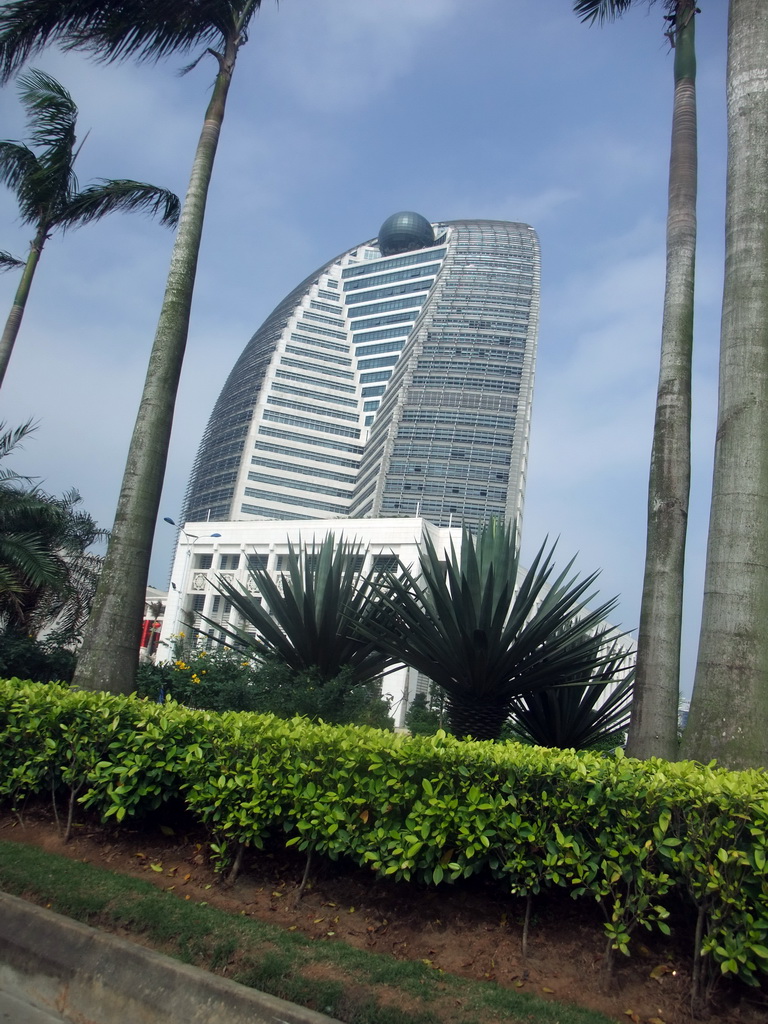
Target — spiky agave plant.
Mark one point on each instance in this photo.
(581, 712)
(307, 618)
(465, 623)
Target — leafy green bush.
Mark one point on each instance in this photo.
(625, 833)
(428, 712)
(25, 657)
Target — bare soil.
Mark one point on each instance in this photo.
(472, 930)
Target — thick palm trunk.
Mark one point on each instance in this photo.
(728, 713)
(480, 718)
(653, 727)
(109, 654)
(13, 323)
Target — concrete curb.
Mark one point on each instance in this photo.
(91, 977)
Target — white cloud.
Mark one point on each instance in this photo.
(338, 56)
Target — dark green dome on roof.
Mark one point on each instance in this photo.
(405, 231)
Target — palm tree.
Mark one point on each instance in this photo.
(653, 726)
(307, 620)
(58, 599)
(147, 30)
(21, 556)
(729, 706)
(464, 622)
(47, 189)
(47, 574)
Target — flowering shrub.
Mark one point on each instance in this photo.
(220, 678)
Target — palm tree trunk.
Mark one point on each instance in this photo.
(653, 726)
(110, 650)
(480, 718)
(727, 720)
(13, 323)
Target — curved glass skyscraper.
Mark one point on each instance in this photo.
(395, 381)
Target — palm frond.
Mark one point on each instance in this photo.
(600, 11)
(111, 196)
(17, 164)
(51, 112)
(41, 184)
(42, 180)
(27, 557)
(12, 438)
(27, 28)
(143, 29)
(47, 574)
(9, 262)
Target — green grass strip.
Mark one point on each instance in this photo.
(363, 986)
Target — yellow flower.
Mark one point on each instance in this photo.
(195, 677)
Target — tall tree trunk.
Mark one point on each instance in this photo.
(653, 726)
(729, 710)
(110, 650)
(480, 718)
(13, 323)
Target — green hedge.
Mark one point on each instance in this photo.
(433, 809)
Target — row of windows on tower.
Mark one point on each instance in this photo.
(423, 256)
(396, 486)
(282, 562)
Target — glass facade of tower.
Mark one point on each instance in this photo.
(385, 385)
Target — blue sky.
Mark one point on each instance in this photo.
(341, 113)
